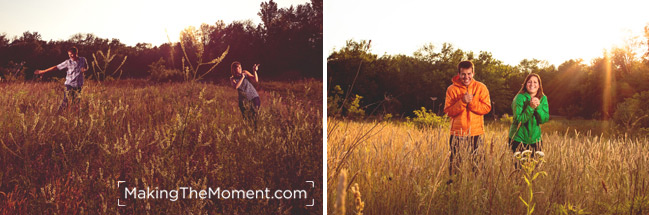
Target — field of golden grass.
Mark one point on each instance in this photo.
(396, 168)
(157, 135)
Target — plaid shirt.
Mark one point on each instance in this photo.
(74, 77)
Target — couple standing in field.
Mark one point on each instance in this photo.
(76, 66)
(467, 101)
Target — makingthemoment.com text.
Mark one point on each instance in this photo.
(218, 193)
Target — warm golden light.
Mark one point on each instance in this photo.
(551, 30)
(608, 87)
(129, 21)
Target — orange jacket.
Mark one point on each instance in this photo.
(467, 119)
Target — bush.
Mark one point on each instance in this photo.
(353, 109)
(13, 72)
(352, 106)
(334, 99)
(632, 113)
(158, 72)
(426, 118)
(506, 118)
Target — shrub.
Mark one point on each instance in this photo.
(426, 118)
(160, 73)
(353, 109)
(632, 114)
(334, 100)
(506, 118)
(13, 72)
(336, 104)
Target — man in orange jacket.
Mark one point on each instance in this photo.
(467, 101)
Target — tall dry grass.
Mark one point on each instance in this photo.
(166, 136)
(404, 170)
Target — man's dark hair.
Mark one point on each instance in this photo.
(74, 50)
(464, 65)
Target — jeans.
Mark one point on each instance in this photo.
(73, 93)
(518, 147)
(249, 108)
(455, 142)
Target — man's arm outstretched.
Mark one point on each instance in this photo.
(38, 71)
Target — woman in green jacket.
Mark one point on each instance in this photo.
(530, 107)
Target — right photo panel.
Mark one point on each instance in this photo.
(487, 107)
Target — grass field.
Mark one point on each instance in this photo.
(400, 169)
(162, 135)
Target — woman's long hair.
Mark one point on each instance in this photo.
(232, 68)
(539, 93)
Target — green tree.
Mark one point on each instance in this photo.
(195, 40)
(633, 113)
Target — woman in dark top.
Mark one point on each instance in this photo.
(248, 97)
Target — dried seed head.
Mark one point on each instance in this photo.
(527, 152)
(517, 155)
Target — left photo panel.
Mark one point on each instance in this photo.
(152, 107)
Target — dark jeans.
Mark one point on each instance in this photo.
(73, 93)
(455, 144)
(518, 147)
(249, 108)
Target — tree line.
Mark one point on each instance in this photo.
(288, 45)
(399, 84)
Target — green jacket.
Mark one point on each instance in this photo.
(529, 119)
